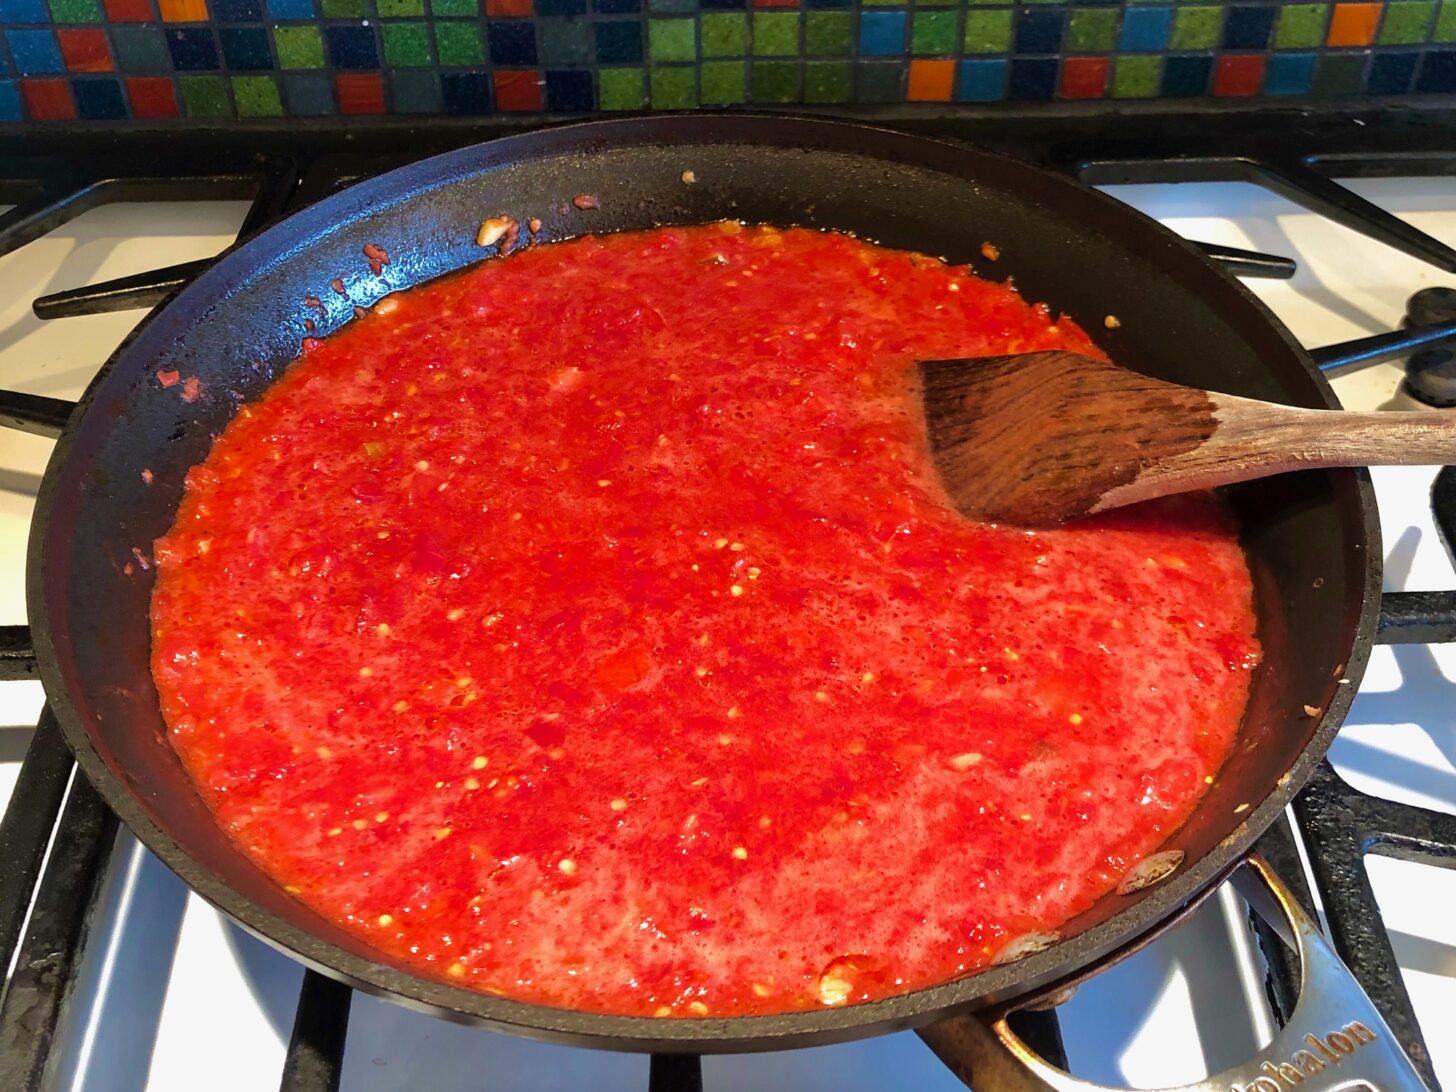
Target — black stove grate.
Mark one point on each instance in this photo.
(56, 835)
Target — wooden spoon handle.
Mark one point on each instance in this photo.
(1255, 439)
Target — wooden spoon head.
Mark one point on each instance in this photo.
(1037, 439)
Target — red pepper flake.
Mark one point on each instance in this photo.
(147, 477)
(129, 569)
(360, 312)
(534, 224)
(314, 302)
(991, 252)
(192, 389)
(168, 379)
(378, 257)
(337, 284)
(309, 344)
(586, 201)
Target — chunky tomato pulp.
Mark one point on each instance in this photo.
(587, 628)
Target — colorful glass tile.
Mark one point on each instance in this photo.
(673, 88)
(86, 11)
(459, 43)
(1437, 71)
(1039, 30)
(1301, 26)
(1445, 28)
(723, 83)
(1238, 75)
(881, 33)
(140, 50)
(193, 49)
(1391, 73)
(565, 42)
(1084, 77)
(151, 97)
(1090, 30)
(930, 81)
(1405, 23)
(129, 11)
(622, 7)
(878, 81)
(775, 34)
(829, 34)
(84, 49)
(828, 82)
(290, 9)
(359, 92)
(236, 11)
(309, 94)
(511, 43)
(465, 92)
(1248, 26)
(987, 31)
(299, 46)
(99, 98)
(618, 42)
(980, 81)
(1340, 74)
(1145, 29)
(9, 101)
(720, 34)
(671, 40)
(622, 89)
(48, 100)
(415, 91)
(22, 12)
(1196, 27)
(205, 96)
(1186, 77)
(1353, 24)
(1289, 74)
(245, 49)
(517, 90)
(1033, 79)
(773, 82)
(351, 47)
(406, 45)
(570, 91)
(183, 11)
(1136, 77)
(564, 8)
(257, 97)
(35, 52)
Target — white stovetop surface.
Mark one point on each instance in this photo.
(173, 997)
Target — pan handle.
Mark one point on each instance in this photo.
(1334, 1039)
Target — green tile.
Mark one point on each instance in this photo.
(673, 88)
(773, 81)
(678, 7)
(299, 46)
(1445, 28)
(205, 96)
(344, 9)
(723, 83)
(257, 97)
(1196, 28)
(75, 11)
(828, 33)
(406, 45)
(1136, 77)
(987, 31)
(454, 7)
(400, 9)
(723, 34)
(621, 89)
(776, 33)
(1091, 30)
(566, 42)
(670, 40)
(1340, 74)
(933, 32)
(140, 50)
(828, 81)
(1405, 22)
(458, 43)
(1301, 26)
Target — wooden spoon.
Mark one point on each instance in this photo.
(1040, 438)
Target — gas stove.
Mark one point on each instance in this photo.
(122, 979)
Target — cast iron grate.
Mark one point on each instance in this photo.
(45, 913)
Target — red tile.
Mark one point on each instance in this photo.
(508, 7)
(48, 100)
(129, 11)
(1084, 77)
(930, 81)
(360, 93)
(85, 50)
(1239, 75)
(519, 89)
(151, 97)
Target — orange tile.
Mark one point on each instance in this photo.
(1353, 24)
(930, 81)
(183, 11)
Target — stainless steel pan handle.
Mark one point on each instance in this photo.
(1334, 1039)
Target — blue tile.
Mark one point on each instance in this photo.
(34, 52)
(619, 42)
(1186, 77)
(245, 48)
(465, 92)
(980, 81)
(9, 101)
(415, 91)
(881, 33)
(24, 11)
(4, 63)
(99, 99)
(560, 7)
(1438, 71)
(1039, 30)
(290, 9)
(308, 94)
(1145, 29)
(570, 92)
(1390, 73)
(1033, 80)
(822, 3)
(1248, 27)
(193, 49)
(712, 5)
(1289, 74)
(352, 47)
(236, 11)
(621, 7)
(510, 43)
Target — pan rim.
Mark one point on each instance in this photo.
(643, 1034)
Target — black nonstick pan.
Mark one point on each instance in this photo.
(1312, 538)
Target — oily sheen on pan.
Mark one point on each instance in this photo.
(587, 627)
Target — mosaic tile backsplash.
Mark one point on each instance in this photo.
(166, 60)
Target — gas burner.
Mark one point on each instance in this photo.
(1430, 374)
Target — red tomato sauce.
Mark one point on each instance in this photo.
(587, 628)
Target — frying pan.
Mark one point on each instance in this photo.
(1311, 538)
